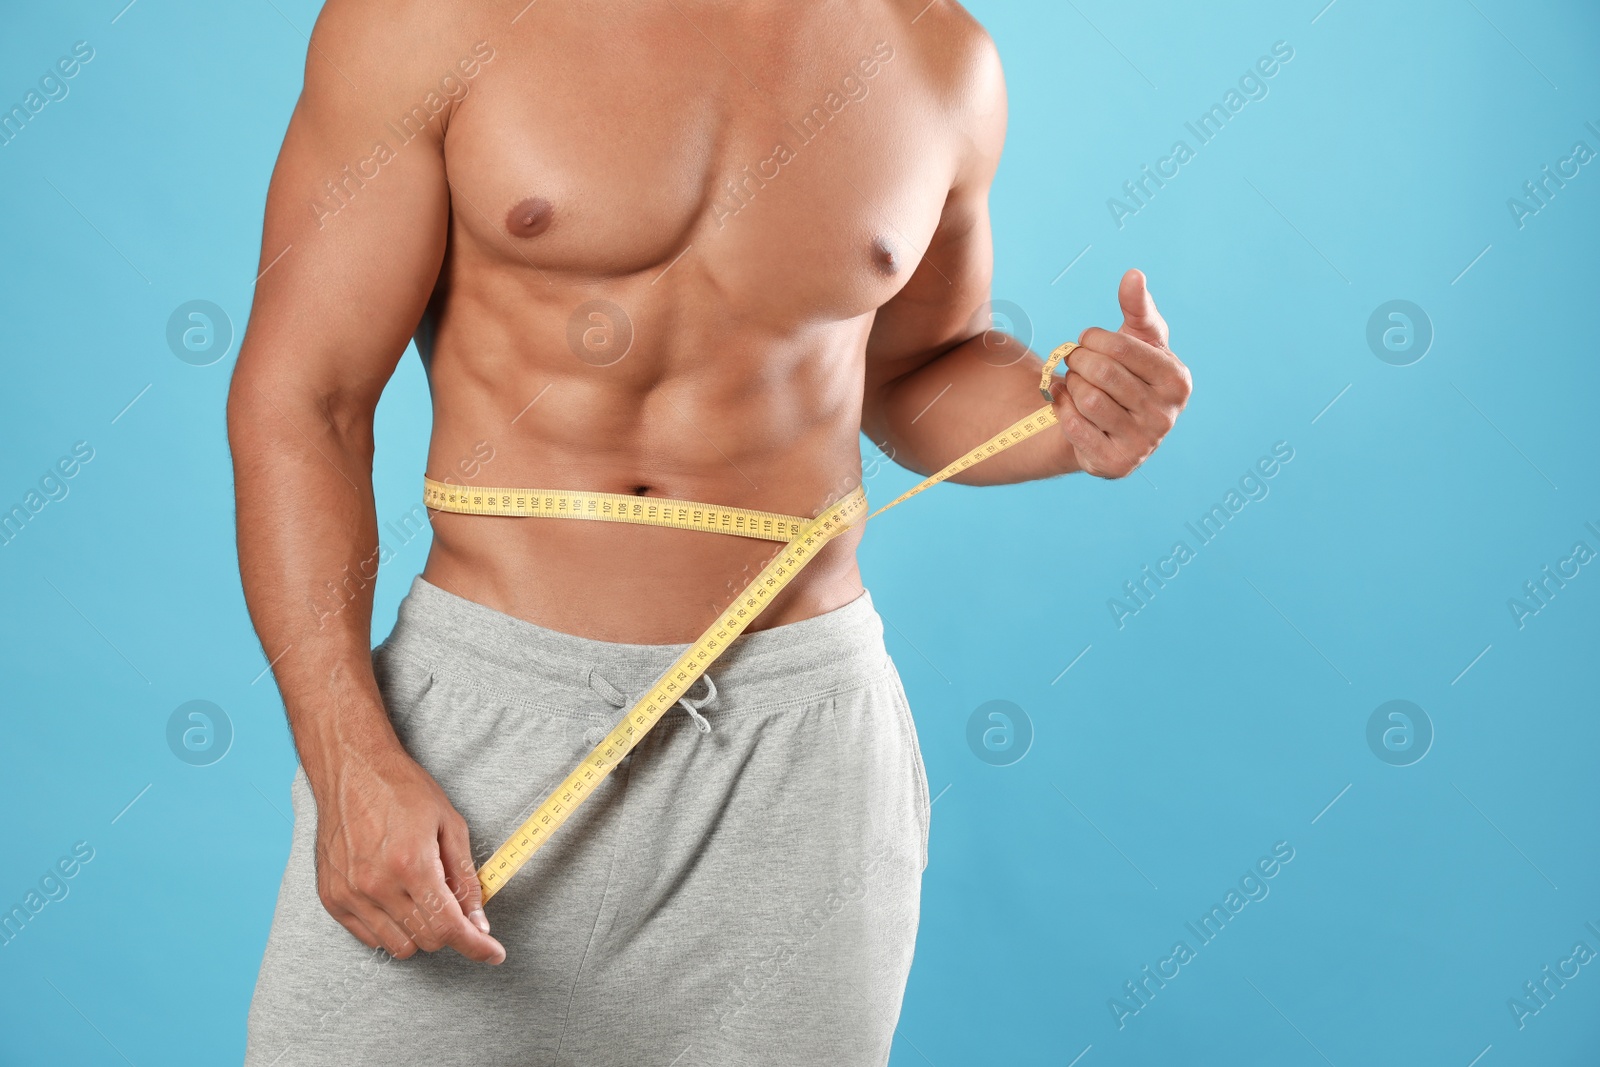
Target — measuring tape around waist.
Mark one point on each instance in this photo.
(802, 538)
(610, 507)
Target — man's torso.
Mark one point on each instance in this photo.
(671, 224)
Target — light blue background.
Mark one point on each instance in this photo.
(1222, 718)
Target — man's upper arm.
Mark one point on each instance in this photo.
(945, 301)
(356, 221)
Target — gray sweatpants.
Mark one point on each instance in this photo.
(742, 890)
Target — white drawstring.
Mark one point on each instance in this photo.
(613, 696)
(693, 706)
(608, 692)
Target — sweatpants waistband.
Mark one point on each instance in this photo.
(799, 661)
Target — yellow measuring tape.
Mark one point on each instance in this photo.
(803, 539)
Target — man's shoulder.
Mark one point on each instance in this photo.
(959, 68)
(384, 43)
(957, 54)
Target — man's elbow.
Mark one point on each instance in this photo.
(263, 407)
(242, 410)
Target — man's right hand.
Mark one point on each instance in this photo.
(345, 274)
(394, 863)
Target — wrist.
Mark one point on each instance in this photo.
(345, 740)
(1063, 457)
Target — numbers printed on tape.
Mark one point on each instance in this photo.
(610, 507)
(803, 538)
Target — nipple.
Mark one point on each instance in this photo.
(883, 256)
(530, 217)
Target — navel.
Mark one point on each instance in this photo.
(530, 217)
(883, 256)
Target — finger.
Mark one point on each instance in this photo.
(352, 906)
(1157, 367)
(390, 935)
(446, 923)
(376, 894)
(1100, 369)
(1099, 453)
(354, 902)
(1096, 405)
(1091, 446)
(352, 922)
(1139, 315)
(461, 873)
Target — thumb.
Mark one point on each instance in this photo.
(1139, 315)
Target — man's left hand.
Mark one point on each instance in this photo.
(1123, 391)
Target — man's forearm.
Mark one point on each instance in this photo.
(307, 531)
(932, 415)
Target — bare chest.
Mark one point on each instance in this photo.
(798, 164)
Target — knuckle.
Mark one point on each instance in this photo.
(1121, 465)
(424, 932)
(1185, 378)
(369, 881)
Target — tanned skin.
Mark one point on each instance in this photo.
(583, 152)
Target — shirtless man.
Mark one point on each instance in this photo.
(684, 249)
